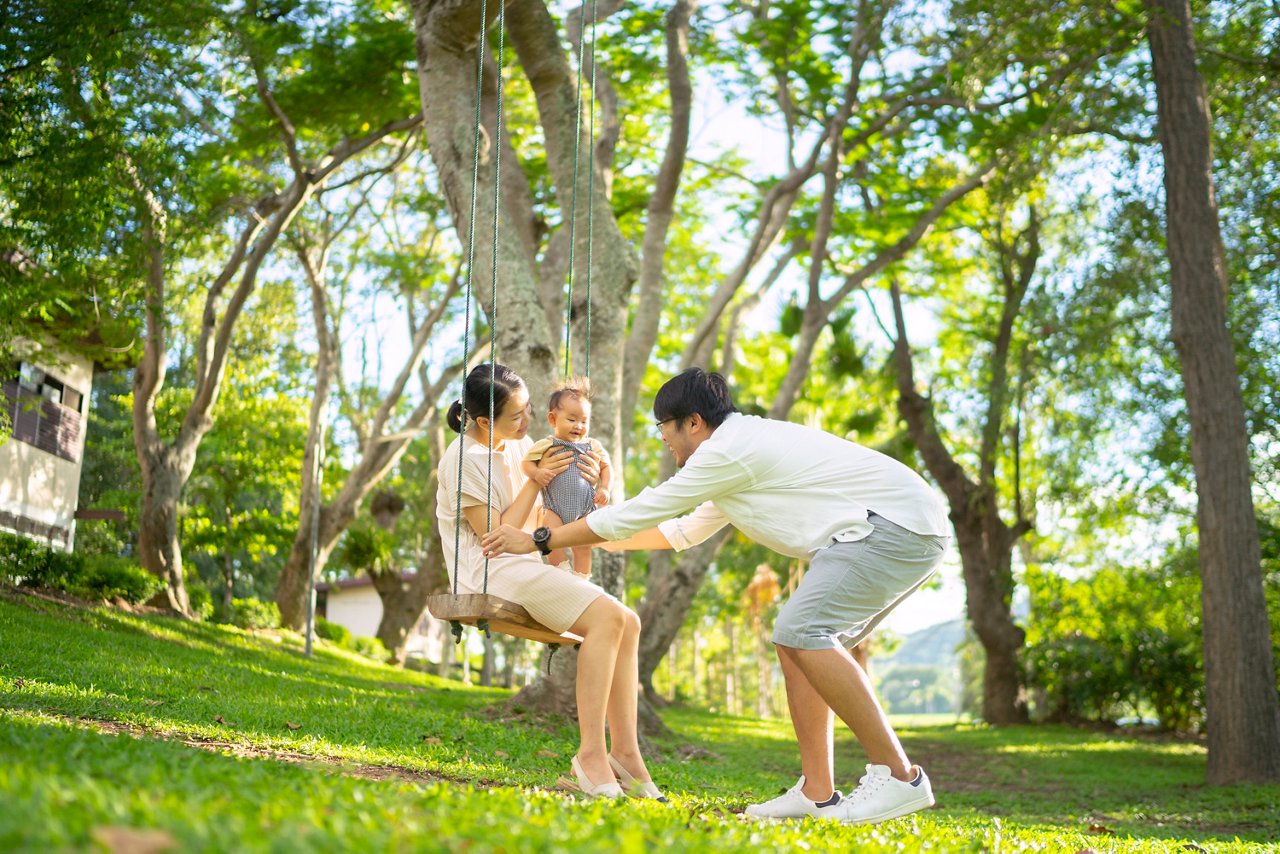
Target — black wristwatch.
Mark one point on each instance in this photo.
(542, 539)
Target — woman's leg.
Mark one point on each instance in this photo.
(602, 626)
(624, 695)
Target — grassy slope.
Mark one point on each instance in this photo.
(62, 775)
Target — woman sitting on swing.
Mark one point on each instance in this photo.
(608, 669)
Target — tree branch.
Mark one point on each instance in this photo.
(644, 326)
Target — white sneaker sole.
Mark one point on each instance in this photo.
(897, 812)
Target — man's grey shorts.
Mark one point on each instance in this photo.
(851, 587)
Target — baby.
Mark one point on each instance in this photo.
(569, 497)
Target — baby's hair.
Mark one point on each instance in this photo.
(578, 388)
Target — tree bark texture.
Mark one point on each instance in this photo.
(1243, 710)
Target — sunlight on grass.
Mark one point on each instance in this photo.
(1170, 748)
(364, 730)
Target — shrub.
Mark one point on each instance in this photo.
(36, 564)
(339, 634)
(17, 556)
(107, 576)
(201, 600)
(1122, 641)
(254, 614)
(372, 647)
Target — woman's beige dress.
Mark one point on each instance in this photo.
(552, 595)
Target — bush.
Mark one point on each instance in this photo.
(372, 647)
(254, 614)
(1124, 641)
(339, 634)
(17, 556)
(36, 564)
(107, 576)
(201, 600)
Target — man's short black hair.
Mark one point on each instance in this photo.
(694, 391)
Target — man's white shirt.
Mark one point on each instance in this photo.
(792, 488)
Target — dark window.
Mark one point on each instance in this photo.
(44, 411)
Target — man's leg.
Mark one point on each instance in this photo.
(811, 719)
(838, 682)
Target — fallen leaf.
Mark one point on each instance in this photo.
(19, 682)
(501, 754)
(153, 703)
(432, 739)
(549, 754)
(220, 719)
(134, 840)
(292, 725)
(1101, 828)
(203, 688)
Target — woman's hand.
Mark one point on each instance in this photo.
(554, 462)
(506, 539)
(589, 464)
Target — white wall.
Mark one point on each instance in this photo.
(359, 609)
(34, 484)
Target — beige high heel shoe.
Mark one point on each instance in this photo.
(583, 784)
(634, 787)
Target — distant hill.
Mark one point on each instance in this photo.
(934, 646)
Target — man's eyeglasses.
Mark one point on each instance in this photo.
(657, 425)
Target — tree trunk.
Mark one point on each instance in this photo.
(661, 211)
(1243, 710)
(291, 589)
(403, 606)
(159, 550)
(986, 561)
(228, 569)
(668, 597)
(984, 541)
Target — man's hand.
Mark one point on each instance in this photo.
(507, 539)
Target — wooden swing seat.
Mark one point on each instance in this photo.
(504, 617)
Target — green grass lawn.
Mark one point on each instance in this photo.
(146, 729)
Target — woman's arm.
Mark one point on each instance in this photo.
(517, 513)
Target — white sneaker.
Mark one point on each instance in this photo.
(880, 796)
(794, 804)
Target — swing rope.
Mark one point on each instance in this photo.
(493, 293)
(455, 625)
(591, 172)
